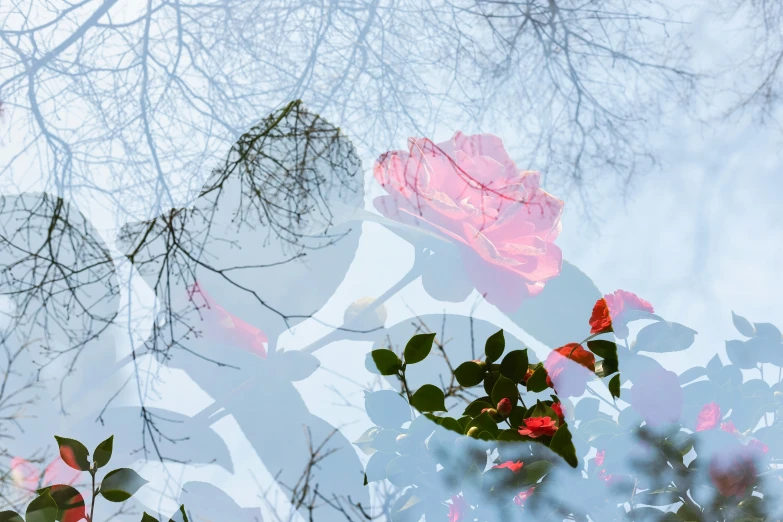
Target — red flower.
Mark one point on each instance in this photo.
(758, 446)
(729, 427)
(558, 408)
(732, 473)
(610, 312)
(519, 500)
(708, 417)
(569, 368)
(538, 426)
(599, 457)
(504, 407)
(516, 467)
(457, 508)
(224, 327)
(528, 375)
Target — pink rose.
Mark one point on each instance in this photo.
(221, 326)
(469, 191)
(708, 417)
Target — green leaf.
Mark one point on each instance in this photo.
(383, 362)
(534, 472)
(603, 349)
(67, 498)
(514, 365)
(484, 423)
(664, 336)
(476, 407)
(418, 348)
(182, 512)
(510, 436)
(517, 416)
(296, 365)
(606, 367)
(563, 445)
(42, 509)
(74, 453)
(537, 381)
(102, 453)
(469, 374)
(402, 470)
(376, 466)
(471, 484)
(742, 325)
(10, 516)
(464, 421)
(494, 347)
(452, 424)
(689, 514)
(386, 441)
(614, 386)
(542, 410)
(120, 485)
(505, 388)
(387, 409)
(429, 398)
(148, 518)
(739, 354)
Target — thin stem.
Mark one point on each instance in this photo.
(212, 414)
(94, 494)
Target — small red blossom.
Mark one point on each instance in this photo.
(708, 417)
(528, 375)
(610, 312)
(729, 427)
(558, 409)
(599, 457)
(537, 427)
(522, 496)
(758, 446)
(458, 508)
(504, 407)
(516, 467)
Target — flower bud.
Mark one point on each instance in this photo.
(778, 396)
(481, 364)
(504, 407)
(401, 438)
(375, 319)
(473, 432)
